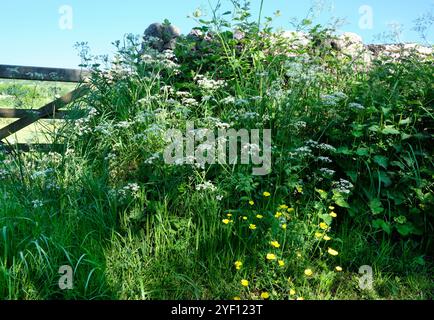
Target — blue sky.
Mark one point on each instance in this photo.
(30, 33)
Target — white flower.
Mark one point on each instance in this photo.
(207, 185)
(3, 173)
(228, 100)
(37, 204)
(357, 106)
(191, 102)
(209, 84)
(327, 171)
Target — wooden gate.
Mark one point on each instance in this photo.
(51, 110)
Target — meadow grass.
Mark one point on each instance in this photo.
(351, 182)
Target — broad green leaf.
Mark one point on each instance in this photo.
(381, 224)
(404, 229)
(362, 152)
(342, 203)
(405, 121)
(344, 150)
(385, 179)
(374, 128)
(376, 206)
(382, 161)
(390, 130)
(322, 193)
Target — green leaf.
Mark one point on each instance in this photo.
(385, 179)
(374, 128)
(326, 218)
(405, 229)
(382, 161)
(381, 224)
(362, 152)
(390, 130)
(322, 193)
(400, 219)
(342, 203)
(344, 150)
(405, 121)
(386, 110)
(376, 206)
(405, 136)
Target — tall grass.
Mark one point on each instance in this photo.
(351, 182)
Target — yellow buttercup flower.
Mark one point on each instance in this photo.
(265, 295)
(271, 256)
(298, 255)
(229, 215)
(245, 218)
(319, 235)
(308, 272)
(323, 226)
(299, 189)
(338, 269)
(278, 215)
(300, 298)
(327, 238)
(267, 194)
(291, 210)
(244, 283)
(252, 227)
(283, 207)
(226, 221)
(281, 263)
(333, 214)
(237, 298)
(332, 208)
(259, 216)
(238, 265)
(284, 226)
(332, 252)
(251, 202)
(291, 292)
(275, 244)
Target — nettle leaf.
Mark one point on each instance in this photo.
(405, 229)
(381, 224)
(390, 130)
(382, 161)
(376, 206)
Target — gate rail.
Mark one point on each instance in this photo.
(51, 110)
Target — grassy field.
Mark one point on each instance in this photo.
(30, 95)
(345, 213)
